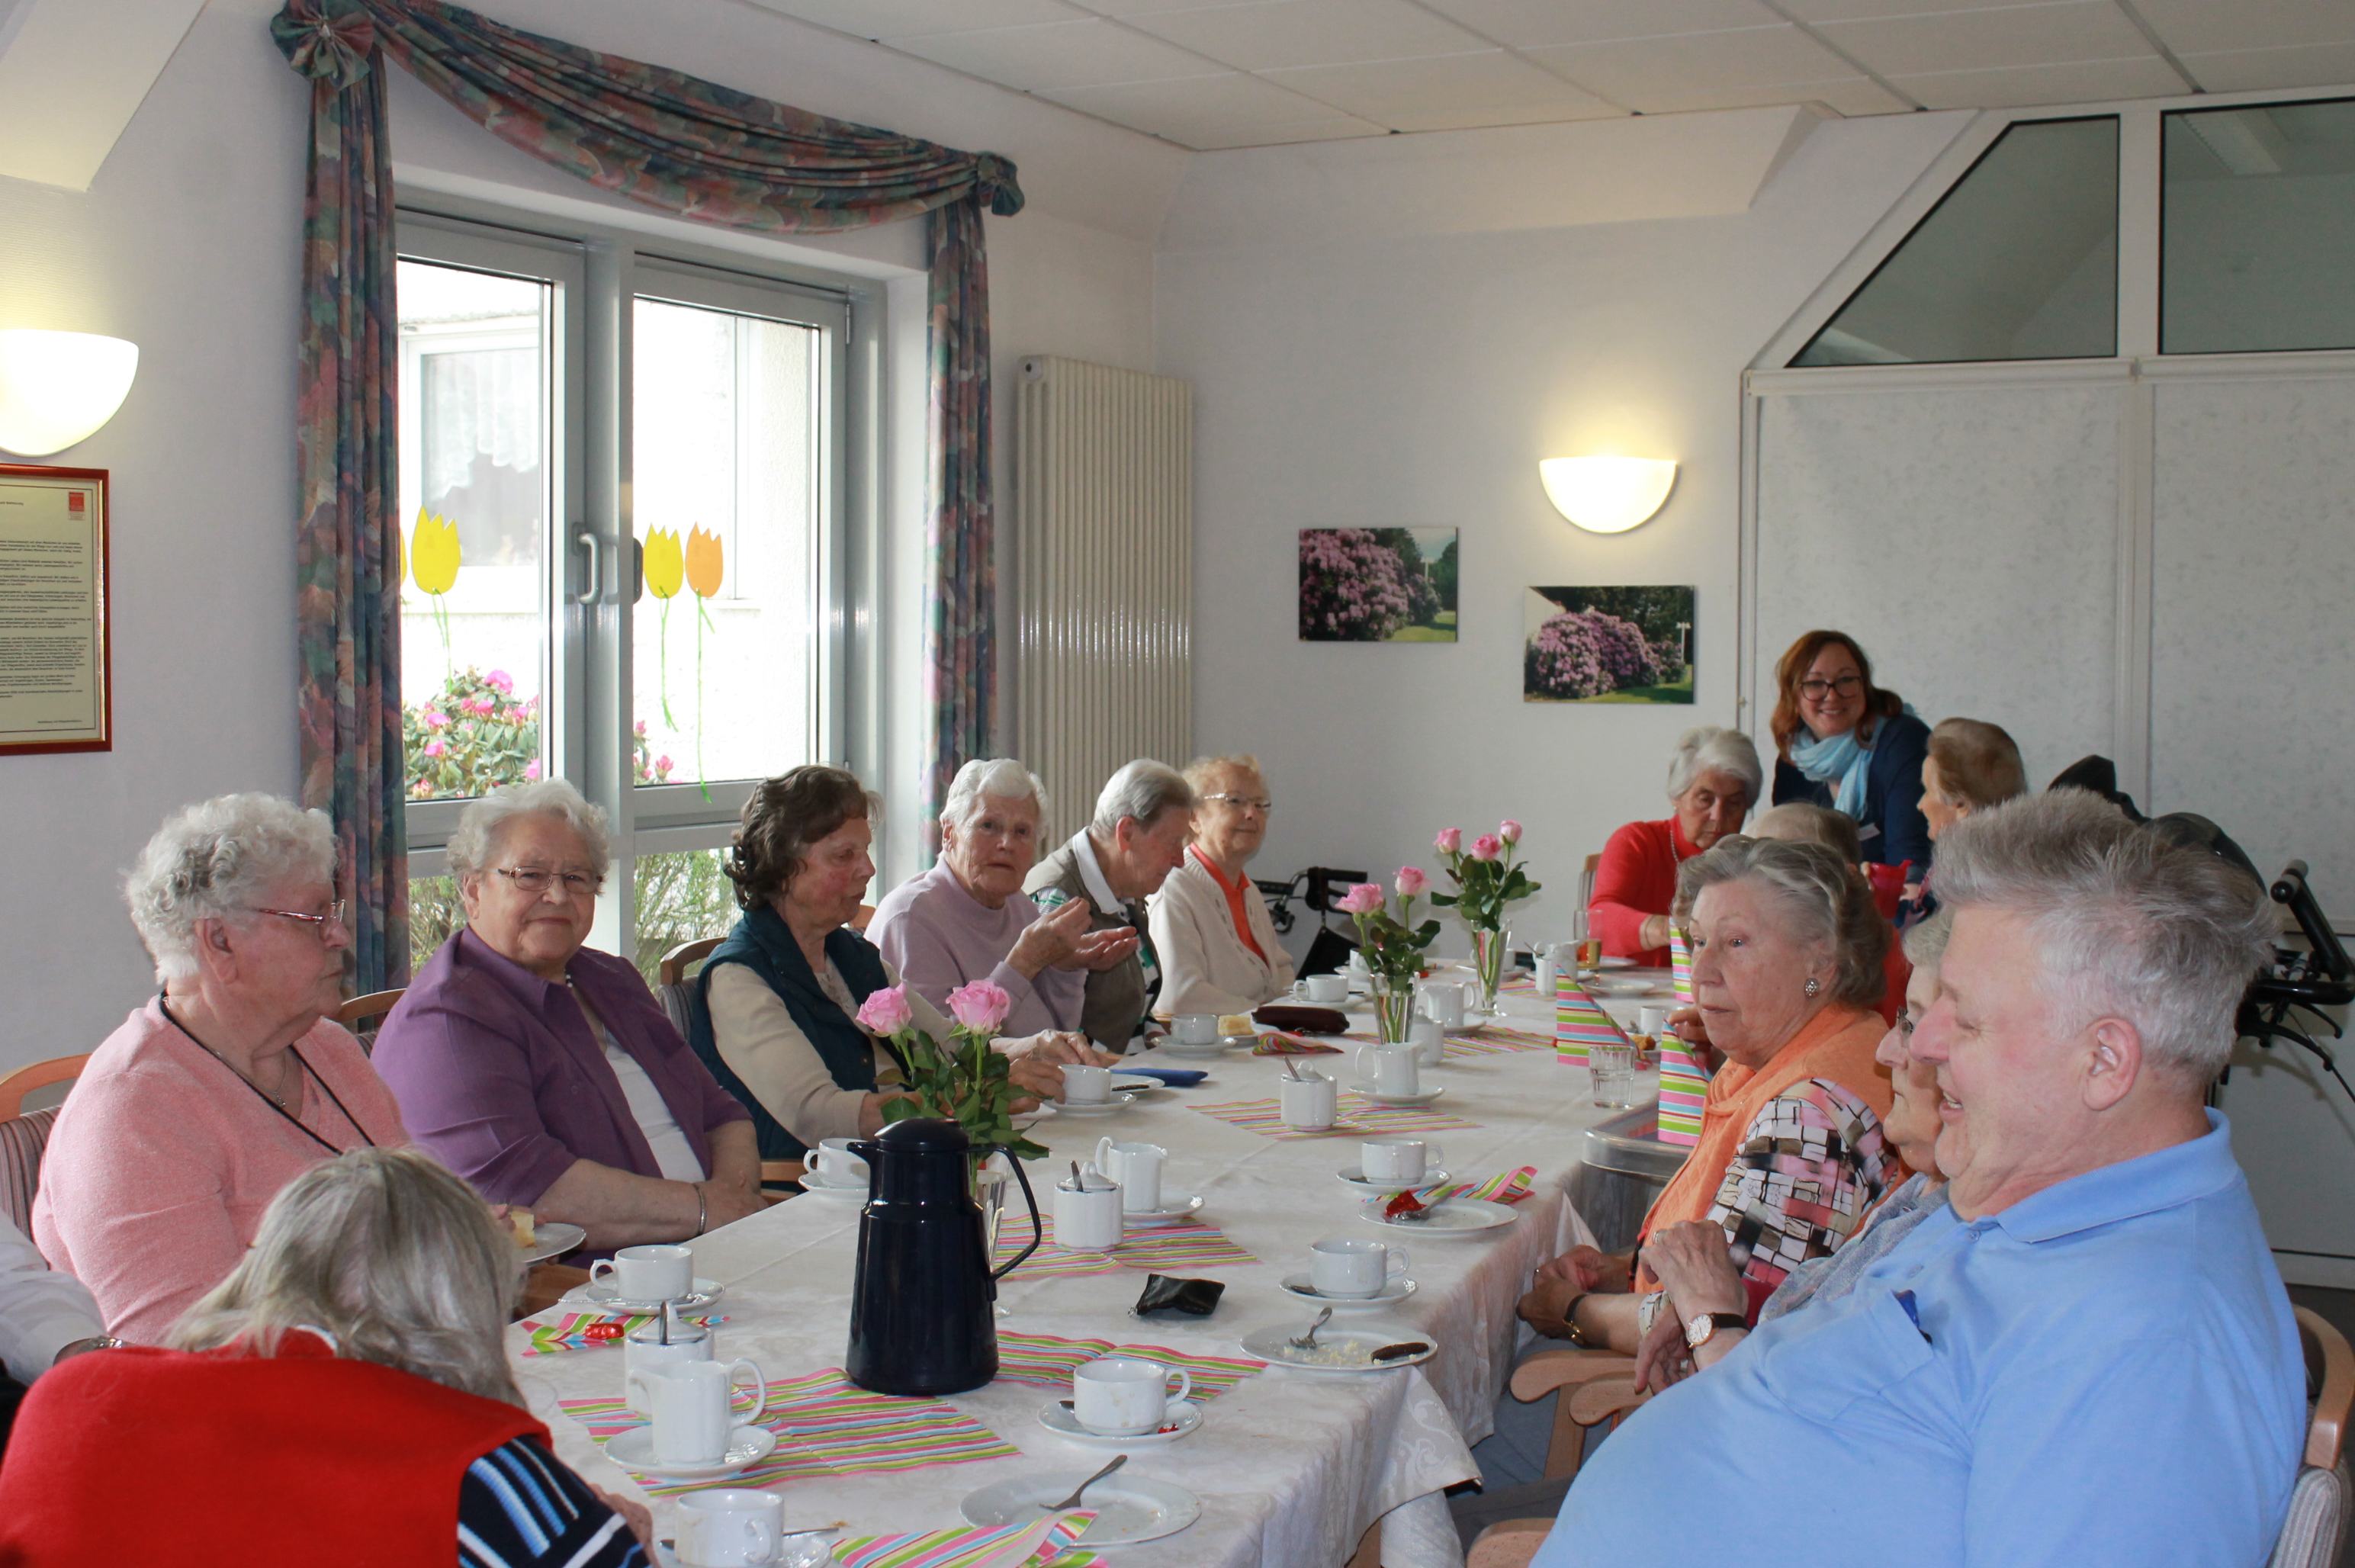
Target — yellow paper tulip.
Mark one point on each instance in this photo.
(703, 562)
(434, 553)
(664, 562)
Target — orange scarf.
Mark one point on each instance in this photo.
(1837, 1044)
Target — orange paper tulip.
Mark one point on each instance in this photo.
(703, 563)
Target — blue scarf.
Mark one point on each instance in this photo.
(1842, 758)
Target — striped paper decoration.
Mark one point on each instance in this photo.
(1049, 1358)
(1509, 1187)
(826, 1426)
(1496, 1039)
(1189, 1244)
(1579, 1022)
(1354, 1117)
(1683, 1084)
(1680, 965)
(571, 1332)
(1291, 1045)
(968, 1548)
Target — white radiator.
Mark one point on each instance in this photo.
(1104, 507)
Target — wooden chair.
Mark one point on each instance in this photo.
(1586, 881)
(675, 985)
(370, 1006)
(40, 1075)
(25, 1135)
(1595, 1386)
(1510, 1545)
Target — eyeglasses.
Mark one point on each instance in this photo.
(1244, 802)
(535, 881)
(317, 923)
(1817, 691)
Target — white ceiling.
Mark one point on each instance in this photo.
(1241, 73)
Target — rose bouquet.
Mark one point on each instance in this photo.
(1392, 945)
(1486, 879)
(965, 1082)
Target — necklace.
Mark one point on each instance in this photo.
(302, 1069)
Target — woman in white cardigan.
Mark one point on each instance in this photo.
(1212, 935)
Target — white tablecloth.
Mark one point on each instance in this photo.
(1292, 1468)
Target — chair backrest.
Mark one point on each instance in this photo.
(40, 1075)
(2316, 1530)
(22, 1140)
(367, 1006)
(676, 986)
(1586, 881)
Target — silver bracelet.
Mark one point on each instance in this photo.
(702, 1208)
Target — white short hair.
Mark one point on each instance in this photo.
(1002, 777)
(1708, 748)
(211, 862)
(2130, 925)
(1825, 902)
(1143, 789)
(485, 821)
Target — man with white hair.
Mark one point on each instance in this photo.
(1143, 819)
(2086, 1357)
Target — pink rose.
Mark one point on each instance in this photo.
(436, 720)
(498, 681)
(531, 772)
(979, 1007)
(1509, 831)
(886, 1012)
(1364, 897)
(1486, 848)
(435, 748)
(1449, 841)
(1410, 881)
(642, 723)
(663, 766)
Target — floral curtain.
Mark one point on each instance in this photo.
(672, 142)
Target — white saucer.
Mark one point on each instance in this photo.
(1170, 1047)
(1616, 962)
(826, 1186)
(1276, 1344)
(634, 1450)
(1056, 1417)
(1127, 1507)
(1422, 1098)
(1361, 1182)
(1130, 1083)
(600, 1295)
(1392, 1292)
(1175, 1206)
(1120, 1101)
(1626, 986)
(1448, 1217)
(552, 1240)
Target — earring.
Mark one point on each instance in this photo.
(1814, 985)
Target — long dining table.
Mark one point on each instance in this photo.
(1292, 1467)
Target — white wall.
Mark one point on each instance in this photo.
(1415, 380)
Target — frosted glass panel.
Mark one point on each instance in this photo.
(2257, 234)
(2019, 262)
(2253, 668)
(1968, 538)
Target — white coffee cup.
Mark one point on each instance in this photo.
(1359, 968)
(651, 1273)
(1430, 1042)
(1652, 1021)
(1443, 1002)
(1088, 1220)
(1396, 1159)
(1137, 1167)
(838, 1165)
(694, 1408)
(643, 1349)
(1390, 1066)
(1326, 988)
(1127, 1396)
(1195, 1029)
(1547, 971)
(1353, 1269)
(729, 1528)
(1309, 1102)
(1084, 1085)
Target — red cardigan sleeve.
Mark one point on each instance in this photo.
(1638, 877)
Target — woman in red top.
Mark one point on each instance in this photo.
(1714, 778)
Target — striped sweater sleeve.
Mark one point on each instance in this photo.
(520, 1507)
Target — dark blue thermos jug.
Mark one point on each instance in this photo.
(922, 1319)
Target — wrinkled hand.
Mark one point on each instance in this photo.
(1695, 1268)
(1057, 1046)
(1583, 1267)
(633, 1514)
(1105, 949)
(1032, 1076)
(1052, 941)
(1662, 1359)
(725, 1202)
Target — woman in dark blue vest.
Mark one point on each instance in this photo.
(775, 1008)
(1844, 744)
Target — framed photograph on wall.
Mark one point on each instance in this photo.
(1607, 645)
(56, 691)
(1378, 585)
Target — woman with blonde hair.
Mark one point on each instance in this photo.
(1211, 928)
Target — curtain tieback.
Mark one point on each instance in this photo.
(329, 39)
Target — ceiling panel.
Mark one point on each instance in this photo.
(1657, 75)
(2243, 70)
(1989, 40)
(2085, 82)
(1384, 90)
(898, 18)
(2206, 27)
(1532, 23)
(1314, 131)
(1197, 105)
(1851, 10)
(1517, 115)
(1270, 33)
(1132, 8)
(1090, 52)
(1851, 95)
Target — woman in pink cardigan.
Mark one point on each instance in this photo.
(229, 1083)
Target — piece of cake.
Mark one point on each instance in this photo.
(522, 1222)
(1234, 1023)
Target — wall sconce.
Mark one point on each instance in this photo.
(58, 387)
(1608, 495)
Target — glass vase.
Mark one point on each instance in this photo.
(1489, 966)
(1393, 1006)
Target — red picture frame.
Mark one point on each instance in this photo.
(41, 525)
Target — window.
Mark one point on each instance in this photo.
(663, 657)
(2257, 228)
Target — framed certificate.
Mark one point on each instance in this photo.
(56, 692)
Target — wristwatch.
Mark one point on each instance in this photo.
(95, 1342)
(1698, 1331)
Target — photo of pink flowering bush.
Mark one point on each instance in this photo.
(1378, 585)
(1607, 645)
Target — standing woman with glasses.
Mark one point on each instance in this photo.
(1211, 928)
(229, 1083)
(1844, 744)
(543, 1071)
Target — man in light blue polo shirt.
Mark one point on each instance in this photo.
(2087, 1360)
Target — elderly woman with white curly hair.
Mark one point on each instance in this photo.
(1714, 778)
(229, 1083)
(543, 1071)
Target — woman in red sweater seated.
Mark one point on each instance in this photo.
(1713, 781)
(342, 1397)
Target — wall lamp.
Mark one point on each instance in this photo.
(1608, 495)
(58, 387)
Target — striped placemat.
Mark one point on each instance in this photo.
(1496, 1039)
(826, 1426)
(1189, 1244)
(971, 1548)
(1579, 1022)
(583, 1330)
(1355, 1117)
(1281, 1044)
(1050, 1358)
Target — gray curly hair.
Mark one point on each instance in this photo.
(1143, 789)
(482, 825)
(212, 860)
(1000, 776)
(1826, 901)
(1709, 748)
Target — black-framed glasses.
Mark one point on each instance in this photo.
(1243, 802)
(317, 923)
(1817, 691)
(535, 881)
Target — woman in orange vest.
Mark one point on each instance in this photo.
(1788, 967)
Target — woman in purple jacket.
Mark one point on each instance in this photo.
(543, 1071)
